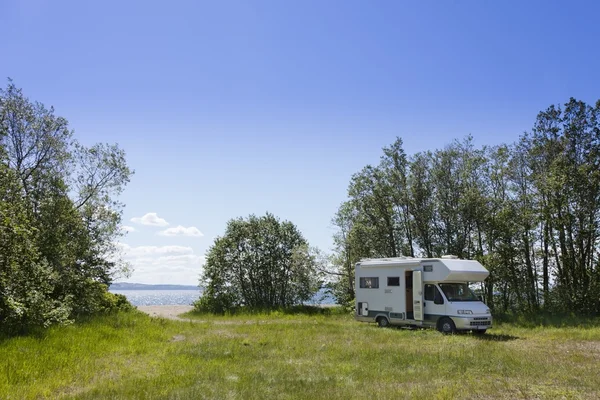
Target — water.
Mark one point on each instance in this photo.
(160, 297)
(186, 297)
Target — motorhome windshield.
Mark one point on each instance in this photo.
(458, 292)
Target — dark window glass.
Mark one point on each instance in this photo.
(438, 299)
(458, 292)
(369, 283)
(393, 281)
(429, 292)
(432, 293)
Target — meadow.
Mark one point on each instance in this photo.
(298, 356)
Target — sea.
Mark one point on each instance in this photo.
(188, 297)
(151, 297)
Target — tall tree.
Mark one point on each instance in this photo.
(529, 211)
(394, 165)
(422, 201)
(371, 194)
(566, 156)
(351, 243)
(27, 281)
(67, 204)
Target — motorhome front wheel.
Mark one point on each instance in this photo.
(447, 326)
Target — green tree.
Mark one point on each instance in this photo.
(422, 201)
(259, 263)
(60, 213)
(27, 281)
(350, 245)
(394, 165)
(371, 195)
(529, 211)
(565, 154)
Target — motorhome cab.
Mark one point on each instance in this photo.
(429, 292)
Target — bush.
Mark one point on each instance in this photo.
(94, 298)
(113, 302)
(215, 304)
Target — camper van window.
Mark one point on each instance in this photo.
(438, 298)
(429, 292)
(458, 292)
(433, 294)
(393, 281)
(369, 283)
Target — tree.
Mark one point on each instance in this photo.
(60, 216)
(421, 192)
(351, 244)
(27, 280)
(565, 153)
(529, 211)
(260, 263)
(394, 163)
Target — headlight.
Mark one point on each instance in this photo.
(465, 312)
(488, 311)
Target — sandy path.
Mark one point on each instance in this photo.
(170, 312)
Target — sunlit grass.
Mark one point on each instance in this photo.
(283, 355)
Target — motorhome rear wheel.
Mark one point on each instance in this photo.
(383, 322)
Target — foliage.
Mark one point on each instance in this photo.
(260, 263)
(529, 211)
(58, 217)
(110, 303)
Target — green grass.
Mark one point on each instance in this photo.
(288, 356)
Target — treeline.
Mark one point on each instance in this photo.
(528, 211)
(58, 218)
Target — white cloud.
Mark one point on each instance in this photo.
(182, 231)
(154, 251)
(163, 264)
(127, 228)
(151, 219)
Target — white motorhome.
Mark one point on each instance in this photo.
(428, 292)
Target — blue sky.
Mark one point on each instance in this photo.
(227, 108)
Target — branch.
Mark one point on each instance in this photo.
(330, 272)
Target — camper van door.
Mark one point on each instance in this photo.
(418, 295)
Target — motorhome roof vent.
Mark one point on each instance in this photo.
(450, 256)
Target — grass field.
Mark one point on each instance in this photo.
(287, 356)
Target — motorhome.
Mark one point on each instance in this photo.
(427, 292)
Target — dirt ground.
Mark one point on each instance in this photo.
(173, 312)
(170, 312)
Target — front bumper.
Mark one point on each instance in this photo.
(476, 322)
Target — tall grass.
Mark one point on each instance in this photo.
(292, 355)
(533, 320)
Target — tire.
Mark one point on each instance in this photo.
(383, 322)
(446, 326)
(478, 331)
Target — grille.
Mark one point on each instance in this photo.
(480, 323)
(480, 319)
